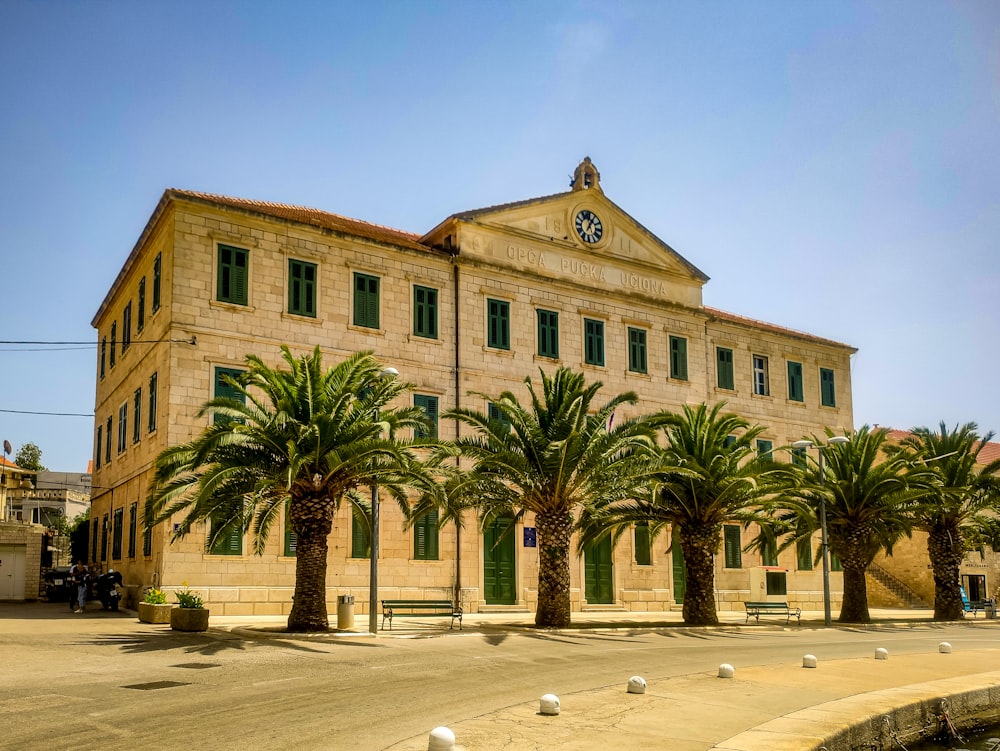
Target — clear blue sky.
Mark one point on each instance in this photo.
(833, 166)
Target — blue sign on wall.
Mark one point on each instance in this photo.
(530, 537)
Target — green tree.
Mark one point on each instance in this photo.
(299, 437)
(551, 460)
(960, 507)
(708, 473)
(29, 457)
(870, 499)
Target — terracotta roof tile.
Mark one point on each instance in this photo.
(4, 462)
(990, 452)
(744, 321)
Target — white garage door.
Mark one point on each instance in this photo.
(12, 572)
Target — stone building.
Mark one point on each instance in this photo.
(477, 303)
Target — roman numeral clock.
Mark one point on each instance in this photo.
(588, 226)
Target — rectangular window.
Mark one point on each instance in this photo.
(107, 443)
(425, 312)
(133, 521)
(361, 546)
(835, 564)
(804, 554)
(122, 427)
(498, 324)
(127, 327)
(548, 333)
(104, 354)
(769, 554)
(116, 536)
(733, 546)
(140, 319)
(827, 388)
(147, 541)
(136, 413)
(152, 403)
(291, 539)
(764, 448)
(301, 288)
(493, 413)
(795, 381)
(114, 343)
(232, 282)
(777, 583)
(428, 404)
(761, 385)
(729, 441)
(593, 341)
(366, 300)
(93, 539)
(157, 263)
(97, 456)
(726, 379)
(637, 350)
(642, 557)
(225, 389)
(231, 541)
(104, 538)
(679, 358)
(425, 537)
(799, 458)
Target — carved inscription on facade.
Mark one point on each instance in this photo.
(585, 269)
(529, 256)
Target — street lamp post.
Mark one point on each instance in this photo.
(824, 544)
(373, 571)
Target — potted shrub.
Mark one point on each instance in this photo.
(154, 607)
(191, 615)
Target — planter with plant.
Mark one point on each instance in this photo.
(154, 607)
(191, 613)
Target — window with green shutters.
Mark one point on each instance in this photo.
(133, 521)
(157, 264)
(425, 537)
(122, 427)
(114, 344)
(361, 546)
(764, 448)
(147, 541)
(827, 387)
(107, 442)
(593, 342)
(795, 381)
(642, 557)
(291, 539)
(223, 388)
(548, 333)
(104, 538)
(118, 525)
(769, 554)
(428, 404)
(637, 350)
(366, 300)
(799, 458)
(493, 413)
(733, 546)
(97, 456)
(729, 441)
(725, 378)
(301, 288)
(230, 543)
(835, 564)
(425, 312)
(136, 414)
(679, 358)
(233, 275)
(127, 327)
(151, 418)
(804, 554)
(104, 354)
(498, 324)
(140, 319)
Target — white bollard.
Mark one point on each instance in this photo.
(809, 661)
(944, 648)
(881, 653)
(726, 670)
(549, 704)
(441, 739)
(636, 685)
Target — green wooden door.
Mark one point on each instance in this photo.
(680, 570)
(598, 573)
(499, 563)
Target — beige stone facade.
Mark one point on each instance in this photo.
(456, 310)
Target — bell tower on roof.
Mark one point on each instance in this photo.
(586, 176)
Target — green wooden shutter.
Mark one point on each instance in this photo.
(231, 543)
(360, 544)
(642, 557)
(764, 448)
(769, 555)
(133, 521)
(425, 537)
(804, 553)
(136, 415)
(225, 389)
(301, 288)
(678, 358)
(828, 390)
(724, 368)
(118, 522)
(97, 458)
(425, 312)
(140, 322)
(733, 546)
(291, 539)
(593, 332)
(430, 405)
(636, 350)
(498, 324)
(679, 567)
(366, 301)
(152, 403)
(548, 333)
(157, 265)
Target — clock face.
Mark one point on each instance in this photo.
(588, 226)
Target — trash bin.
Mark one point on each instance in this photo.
(345, 612)
(990, 608)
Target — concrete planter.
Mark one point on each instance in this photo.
(149, 613)
(189, 619)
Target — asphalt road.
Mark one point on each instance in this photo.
(105, 681)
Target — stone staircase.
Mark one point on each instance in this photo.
(901, 591)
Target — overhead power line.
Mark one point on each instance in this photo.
(52, 414)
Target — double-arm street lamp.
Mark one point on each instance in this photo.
(824, 543)
(373, 576)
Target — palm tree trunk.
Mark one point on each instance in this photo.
(699, 544)
(554, 531)
(855, 558)
(944, 548)
(312, 520)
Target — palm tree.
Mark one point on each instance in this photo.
(962, 504)
(301, 438)
(707, 474)
(870, 499)
(551, 460)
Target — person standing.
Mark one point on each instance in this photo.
(79, 573)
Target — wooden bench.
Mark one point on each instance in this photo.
(421, 608)
(757, 609)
